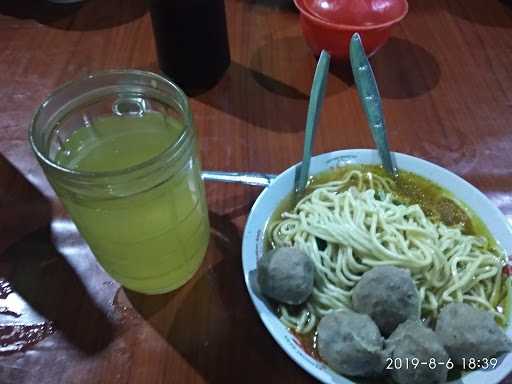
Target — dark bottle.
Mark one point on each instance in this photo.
(191, 41)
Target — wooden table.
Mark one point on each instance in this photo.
(446, 80)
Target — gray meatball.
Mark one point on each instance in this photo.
(351, 344)
(467, 332)
(286, 275)
(388, 295)
(411, 340)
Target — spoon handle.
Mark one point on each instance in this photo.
(250, 178)
(315, 105)
(371, 101)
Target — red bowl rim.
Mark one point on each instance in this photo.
(304, 12)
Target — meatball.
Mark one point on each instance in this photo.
(467, 332)
(351, 344)
(411, 340)
(388, 295)
(286, 275)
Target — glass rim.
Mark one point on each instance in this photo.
(119, 172)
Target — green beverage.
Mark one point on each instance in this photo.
(155, 238)
(127, 171)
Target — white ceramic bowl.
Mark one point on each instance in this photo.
(268, 201)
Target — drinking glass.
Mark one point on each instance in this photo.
(119, 148)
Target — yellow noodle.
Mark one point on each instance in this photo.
(364, 227)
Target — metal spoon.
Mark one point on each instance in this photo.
(250, 178)
(315, 105)
(371, 101)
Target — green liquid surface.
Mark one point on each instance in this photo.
(150, 238)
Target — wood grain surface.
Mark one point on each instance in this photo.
(446, 81)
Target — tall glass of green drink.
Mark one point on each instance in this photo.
(119, 148)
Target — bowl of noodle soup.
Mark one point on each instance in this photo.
(441, 257)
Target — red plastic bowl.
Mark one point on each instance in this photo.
(372, 19)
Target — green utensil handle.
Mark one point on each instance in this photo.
(371, 101)
(315, 105)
